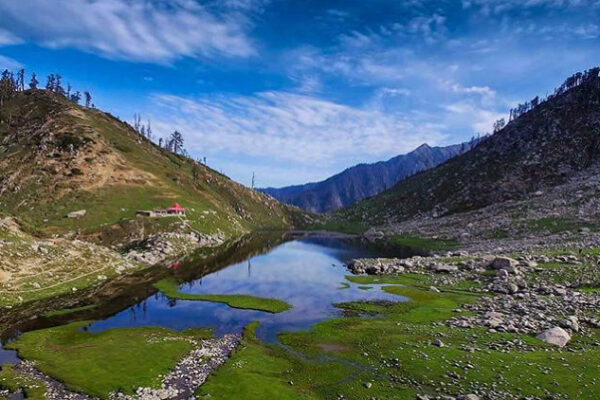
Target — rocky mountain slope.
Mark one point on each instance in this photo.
(57, 157)
(538, 150)
(363, 180)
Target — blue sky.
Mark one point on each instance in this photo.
(298, 90)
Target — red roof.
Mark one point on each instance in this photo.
(176, 207)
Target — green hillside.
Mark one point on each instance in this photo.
(57, 157)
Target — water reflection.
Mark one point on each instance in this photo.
(8, 356)
(306, 273)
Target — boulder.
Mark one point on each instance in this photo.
(571, 323)
(76, 214)
(556, 336)
(506, 263)
(444, 268)
(502, 273)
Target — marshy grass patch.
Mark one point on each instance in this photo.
(170, 288)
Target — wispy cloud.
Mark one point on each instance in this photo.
(431, 28)
(501, 6)
(8, 38)
(136, 30)
(286, 126)
(481, 119)
(9, 63)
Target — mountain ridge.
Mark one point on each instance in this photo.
(363, 180)
(546, 143)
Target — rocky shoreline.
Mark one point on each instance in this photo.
(157, 248)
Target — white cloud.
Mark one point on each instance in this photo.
(136, 30)
(487, 94)
(285, 126)
(481, 119)
(8, 38)
(9, 63)
(394, 92)
(487, 7)
(431, 28)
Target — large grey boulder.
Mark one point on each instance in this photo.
(556, 336)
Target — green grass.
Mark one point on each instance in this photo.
(100, 363)
(170, 288)
(14, 381)
(257, 372)
(67, 311)
(426, 244)
(392, 350)
(557, 224)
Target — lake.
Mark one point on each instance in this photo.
(307, 273)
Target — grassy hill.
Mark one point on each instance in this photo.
(57, 157)
(542, 148)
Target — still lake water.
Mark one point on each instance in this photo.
(308, 273)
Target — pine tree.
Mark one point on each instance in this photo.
(51, 83)
(58, 86)
(76, 97)
(176, 142)
(33, 84)
(7, 86)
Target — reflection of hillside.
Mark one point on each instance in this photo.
(127, 291)
(204, 261)
(371, 247)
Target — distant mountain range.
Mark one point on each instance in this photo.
(364, 180)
